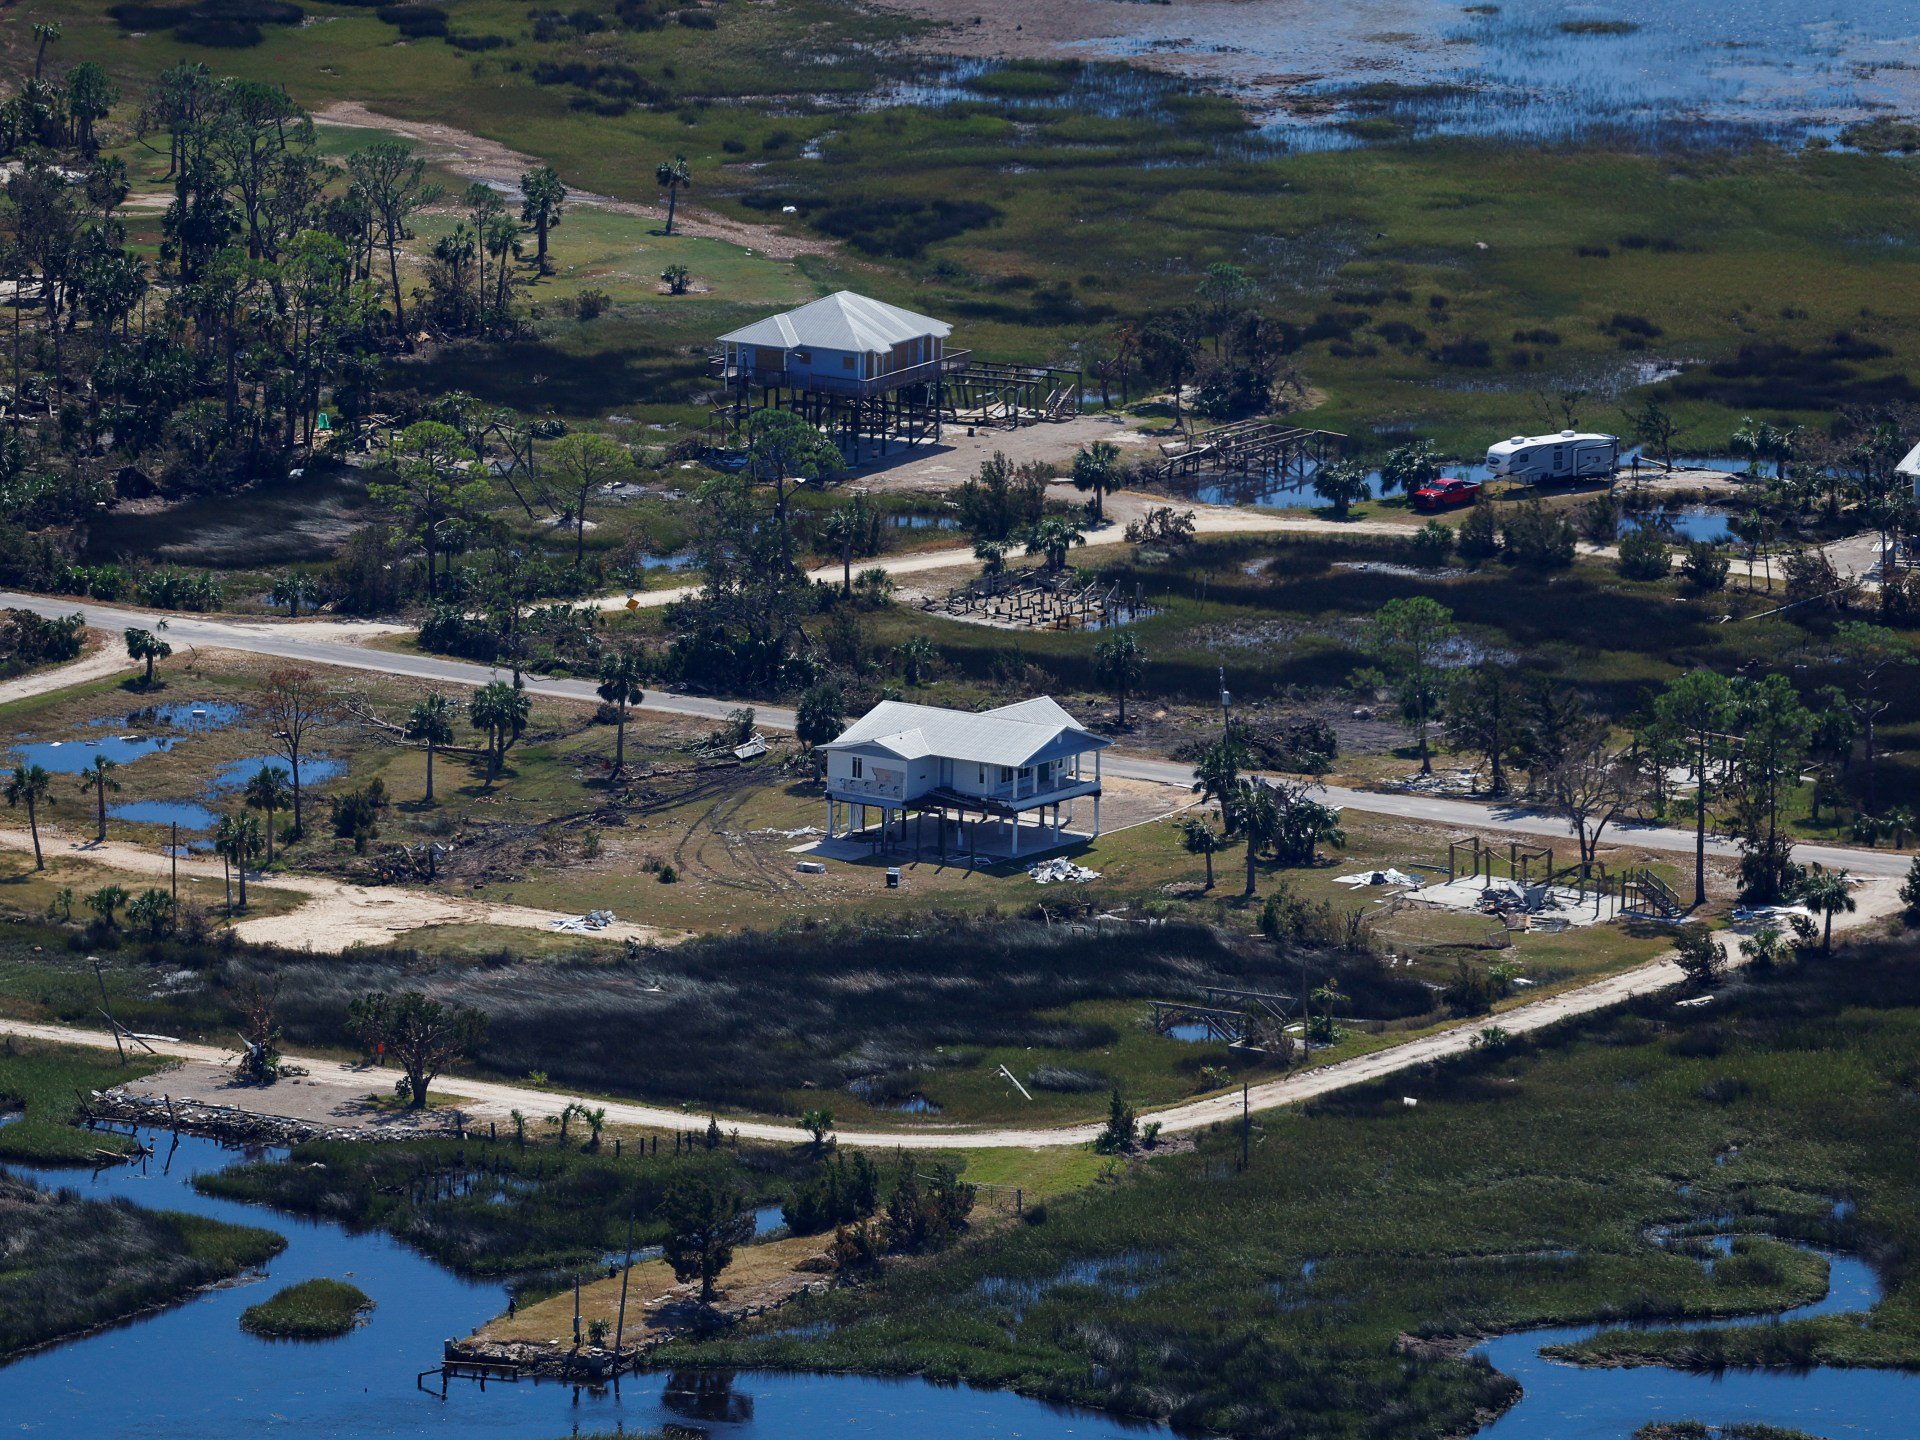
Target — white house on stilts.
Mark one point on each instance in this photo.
(993, 785)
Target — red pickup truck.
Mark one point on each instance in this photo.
(1446, 491)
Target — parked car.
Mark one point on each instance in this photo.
(1447, 490)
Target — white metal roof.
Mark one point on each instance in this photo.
(1021, 734)
(1910, 465)
(1563, 437)
(841, 321)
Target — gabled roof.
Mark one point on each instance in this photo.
(841, 321)
(1910, 465)
(1022, 734)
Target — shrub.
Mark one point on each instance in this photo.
(1479, 537)
(1704, 566)
(1537, 538)
(1643, 555)
(1431, 545)
(1121, 1128)
(591, 304)
(1699, 955)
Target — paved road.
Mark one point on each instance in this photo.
(341, 644)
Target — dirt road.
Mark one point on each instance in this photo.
(106, 661)
(474, 157)
(335, 914)
(334, 1091)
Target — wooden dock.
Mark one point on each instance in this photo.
(1247, 447)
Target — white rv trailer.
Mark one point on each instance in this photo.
(1570, 455)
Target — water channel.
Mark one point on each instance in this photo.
(190, 1373)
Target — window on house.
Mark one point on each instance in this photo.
(1006, 774)
(856, 767)
(846, 362)
(983, 776)
(1026, 772)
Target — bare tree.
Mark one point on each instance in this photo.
(292, 704)
(1591, 787)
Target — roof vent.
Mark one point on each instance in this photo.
(1566, 434)
(1518, 440)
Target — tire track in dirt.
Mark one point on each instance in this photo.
(500, 166)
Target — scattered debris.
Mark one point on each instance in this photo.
(1379, 877)
(584, 924)
(811, 867)
(1060, 870)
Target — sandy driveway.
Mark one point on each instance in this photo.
(335, 914)
(474, 157)
(107, 660)
(336, 1087)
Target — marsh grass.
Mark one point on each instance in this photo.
(311, 1310)
(75, 1264)
(496, 1208)
(43, 1084)
(1519, 1192)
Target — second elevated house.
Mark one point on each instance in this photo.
(990, 784)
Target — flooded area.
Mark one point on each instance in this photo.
(1683, 523)
(157, 730)
(190, 1372)
(1688, 73)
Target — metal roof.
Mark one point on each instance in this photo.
(1022, 734)
(841, 321)
(1910, 465)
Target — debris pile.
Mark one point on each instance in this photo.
(1379, 877)
(584, 924)
(1061, 870)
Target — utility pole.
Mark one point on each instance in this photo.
(1226, 703)
(620, 1326)
(106, 1008)
(1246, 1123)
(173, 852)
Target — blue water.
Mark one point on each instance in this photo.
(1570, 1402)
(157, 730)
(190, 1373)
(184, 813)
(1289, 492)
(70, 757)
(1689, 522)
(314, 770)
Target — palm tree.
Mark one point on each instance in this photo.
(1217, 777)
(543, 198)
(841, 529)
(32, 787)
(1096, 467)
(992, 555)
(1828, 893)
(431, 723)
(1121, 663)
(269, 790)
(294, 589)
(501, 710)
(672, 174)
(1259, 818)
(1052, 536)
(622, 673)
(98, 777)
(916, 655)
(145, 645)
(1340, 485)
(238, 841)
(1200, 838)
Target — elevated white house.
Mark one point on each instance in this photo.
(844, 344)
(1010, 770)
(1910, 469)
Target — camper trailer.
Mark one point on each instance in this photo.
(1570, 455)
